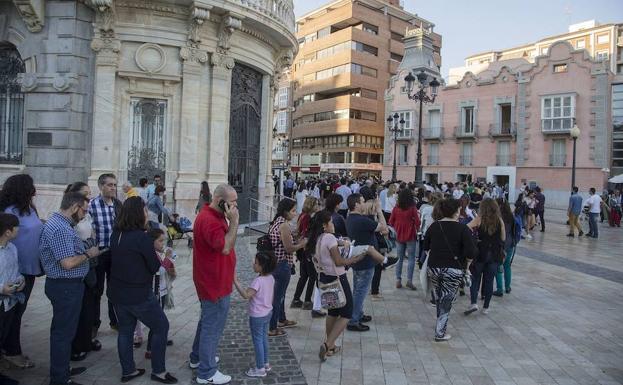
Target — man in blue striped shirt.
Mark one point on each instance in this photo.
(66, 263)
(103, 210)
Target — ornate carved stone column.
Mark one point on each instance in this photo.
(32, 12)
(107, 48)
(193, 142)
(222, 64)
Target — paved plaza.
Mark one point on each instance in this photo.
(562, 324)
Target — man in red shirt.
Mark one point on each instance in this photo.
(214, 263)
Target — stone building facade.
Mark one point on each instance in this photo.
(180, 88)
(511, 123)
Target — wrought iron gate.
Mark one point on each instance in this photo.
(245, 122)
(147, 156)
(11, 105)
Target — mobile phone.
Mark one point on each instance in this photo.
(222, 204)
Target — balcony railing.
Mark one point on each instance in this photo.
(432, 133)
(503, 129)
(558, 160)
(466, 132)
(556, 125)
(404, 135)
(432, 160)
(465, 160)
(503, 160)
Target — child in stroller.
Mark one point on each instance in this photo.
(179, 228)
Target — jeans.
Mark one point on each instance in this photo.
(259, 334)
(593, 228)
(503, 276)
(406, 250)
(282, 274)
(12, 345)
(66, 298)
(445, 282)
(362, 279)
(150, 313)
(487, 270)
(84, 331)
(308, 276)
(209, 332)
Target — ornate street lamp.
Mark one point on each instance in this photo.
(575, 134)
(422, 97)
(392, 127)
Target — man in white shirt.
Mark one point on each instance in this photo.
(457, 193)
(345, 192)
(355, 187)
(594, 203)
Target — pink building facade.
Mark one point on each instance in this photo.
(511, 124)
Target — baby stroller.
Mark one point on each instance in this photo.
(180, 228)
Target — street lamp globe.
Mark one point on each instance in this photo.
(409, 80)
(434, 85)
(575, 131)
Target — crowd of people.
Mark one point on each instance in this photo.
(462, 236)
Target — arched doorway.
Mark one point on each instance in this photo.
(11, 105)
(245, 123)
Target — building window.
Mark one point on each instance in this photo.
(395, 56)
(560, 68)
(558, 155)
(468, 120)
(148, 135)
(407, 130)
(11, 106)
(368, 28)
(601, 55)
(369, 94)
(434, 123)
(283, 97)
(466, 154)
(397, 36)
(363, 70)
(282, 122)
(544, 50)
(557, 113)
(361, 47)
(603, 39)
(433, 154)
(503, 157)
(403, 154)
(580, 44)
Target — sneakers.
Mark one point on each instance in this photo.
(196, 365)
(570, 235)
(485, 310)
(498, 293)
(472, 308)
(581, 233)
(256, 372)
(376, 297)
(446, 337)
(308, 306)
(217, 379)
(508, 290)
(318, 314)
(411, 286)
(391, 262)
(268, 368)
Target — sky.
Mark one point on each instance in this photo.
(470, 27)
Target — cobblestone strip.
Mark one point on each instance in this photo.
(236, 351)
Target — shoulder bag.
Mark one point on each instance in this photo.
(467, 277)
(332, 294)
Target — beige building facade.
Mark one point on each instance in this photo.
(348, 50)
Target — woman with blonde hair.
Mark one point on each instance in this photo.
(390, 201)
(491, 238)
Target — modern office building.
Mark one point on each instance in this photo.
(511, 123)
(348, 50)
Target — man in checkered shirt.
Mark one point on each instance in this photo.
(65, 262)
(103, 210)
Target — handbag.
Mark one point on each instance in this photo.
(467, 277)
(332, 294)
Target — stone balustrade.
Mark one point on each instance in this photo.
(280, 10)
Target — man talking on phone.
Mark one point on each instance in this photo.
(214, 263)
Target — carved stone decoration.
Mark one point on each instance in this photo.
(222, 60)
(29, 82)
(32, 13)
(107, 50)
(105, 10)
(150, 58)
(195, 55)
(226, 28)
(283, 61)
(60, 83)
(197, 17)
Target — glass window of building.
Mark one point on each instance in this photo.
(434, 123)
(504, 153)
(557, 112)
(601, 55)
(603, 39)
(283, 97)
(11, 106)
(433, 153)
(579, 44)
(466, 154)
(403, 154)
(468, 120)
(558, 153)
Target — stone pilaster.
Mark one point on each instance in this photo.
(265, 181)
(600, 135)
(107, 47)
(522, 138)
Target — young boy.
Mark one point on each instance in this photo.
(11, 281)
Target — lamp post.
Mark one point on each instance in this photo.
(422, 97)
(575, 133)
(392, 126)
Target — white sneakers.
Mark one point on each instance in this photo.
(196, 365)
(446, 337)
(472, 308)
(217, 379)
(255, 372)
(485, 310)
